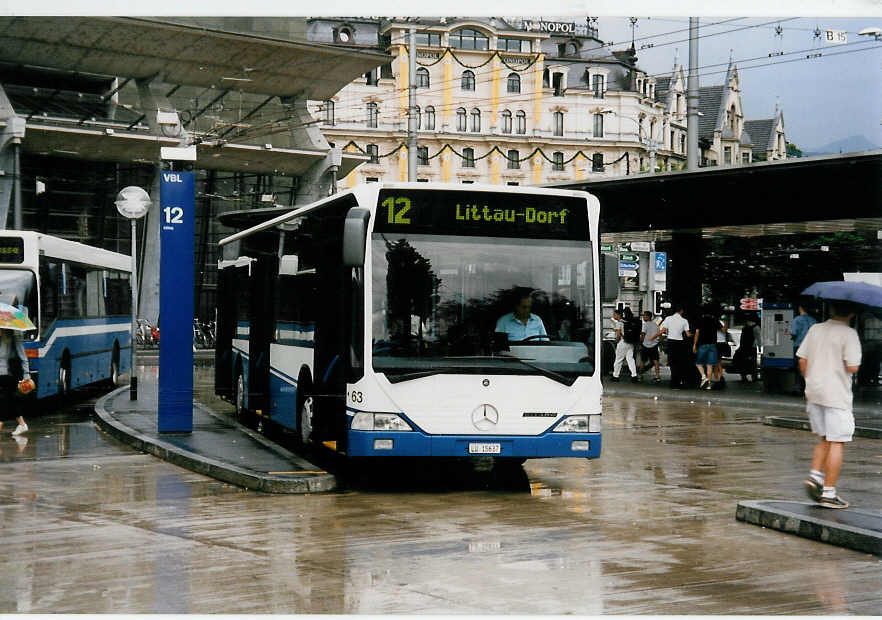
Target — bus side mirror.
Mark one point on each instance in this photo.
(355, 236)
(609, 273)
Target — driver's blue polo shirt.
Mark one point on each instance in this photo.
(516, 330)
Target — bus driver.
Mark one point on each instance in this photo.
(521, 323)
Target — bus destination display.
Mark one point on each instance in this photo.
(485, 214)
(11, 250)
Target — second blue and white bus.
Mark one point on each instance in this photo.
(79, 298)
(367, 321)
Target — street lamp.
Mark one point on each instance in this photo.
(133, 202)
(872, 31)
(651, 144)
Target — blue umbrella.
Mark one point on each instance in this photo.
(855, 292)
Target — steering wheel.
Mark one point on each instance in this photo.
(534, 337)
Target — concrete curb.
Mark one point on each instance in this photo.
(839, 534)
(803, 425)
(213, 468)
(716, 398)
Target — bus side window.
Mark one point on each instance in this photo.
(73, 291)
(117, 293)
(95, 306)
(50, 287)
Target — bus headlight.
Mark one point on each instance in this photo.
(365, 421)
(579, 424)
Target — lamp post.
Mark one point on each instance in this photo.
(132, 202)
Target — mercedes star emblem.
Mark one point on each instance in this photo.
(485, 417)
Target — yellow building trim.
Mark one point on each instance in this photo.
(578, 167)
(495, 169)
(445, 158)
(537, 169)
(447, 92)
(537, 90)
(402, 164)
(403, 78)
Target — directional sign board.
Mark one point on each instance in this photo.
(627, 265)
(606, 247)
(177, 203)
(628, 273)
(633, 258)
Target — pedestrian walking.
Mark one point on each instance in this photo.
(649, 335)
(675, 328)
(626, 339)
(829, 354)
(704, 346)
(744, 359)
(13, 368)
(723, 350)
(799, 327)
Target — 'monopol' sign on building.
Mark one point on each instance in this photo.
(556, 27)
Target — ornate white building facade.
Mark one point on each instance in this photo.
(503, 104)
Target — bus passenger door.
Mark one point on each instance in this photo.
(263, 278)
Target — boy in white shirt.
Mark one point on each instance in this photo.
(828, 356)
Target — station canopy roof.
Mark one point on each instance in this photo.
(170, 53)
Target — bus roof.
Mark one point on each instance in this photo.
(56, 247)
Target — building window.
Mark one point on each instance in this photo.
(344, 35)
(558, 161)
(558, 123)
(422, 156)
(372, 115)
(506, 121)
(522, 122)
(422, 77)
(682, 144)
(505, 44)
(514, 83)
(673, 143)
(430, 39)
(597, 162)
(514, 160)
(422, 180)
(557, 84)
(745, 158)
(476, 120)
(512, 183)
(374, 153)
(372, 179)
(468, 39)
(727, 155)
(598, 125)
(468, 158)
(545, 79)
(461, 119)
(329, 112)
(468, 182)
(430, 117)
(372, 78)
(597, 85)
(386, 71)
(468, 80)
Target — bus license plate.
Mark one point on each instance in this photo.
(485, 448)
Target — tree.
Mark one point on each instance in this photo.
(793, 150)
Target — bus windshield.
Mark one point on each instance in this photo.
(476, 304)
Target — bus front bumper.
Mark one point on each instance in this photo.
(415, 443)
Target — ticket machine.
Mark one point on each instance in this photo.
(777, 358)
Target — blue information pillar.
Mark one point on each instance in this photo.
(177, 204)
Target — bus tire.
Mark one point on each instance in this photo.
(305, 411)
(64, 375)
(242, 414)
(114, 366)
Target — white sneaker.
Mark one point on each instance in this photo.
(21, 428)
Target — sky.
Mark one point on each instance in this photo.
(824, 99)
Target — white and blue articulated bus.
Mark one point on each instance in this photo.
(418, 319)
(79, 298)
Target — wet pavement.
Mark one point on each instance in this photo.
(649, 528)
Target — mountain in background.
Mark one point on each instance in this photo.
(852, 144)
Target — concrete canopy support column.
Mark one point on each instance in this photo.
(320, 180)
(685, 258)
(10, 162)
